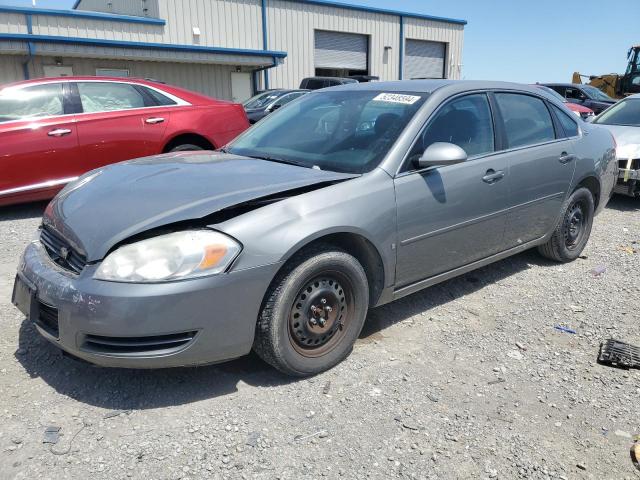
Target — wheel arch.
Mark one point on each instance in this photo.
(591, 183)
(188, 137)
(356, 244)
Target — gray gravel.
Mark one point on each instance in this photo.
(468, 379)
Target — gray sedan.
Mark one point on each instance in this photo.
(344, 200)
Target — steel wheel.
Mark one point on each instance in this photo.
(320, 314)
(574, 225)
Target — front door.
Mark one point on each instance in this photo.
(240, 86)
(38, 141)
(541, 164)
(454, 215)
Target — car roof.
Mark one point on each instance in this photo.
(576, 85)
(188, 95)
(430, 86)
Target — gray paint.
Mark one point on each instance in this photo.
(425, 226)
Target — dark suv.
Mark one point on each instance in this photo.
(314, 83)
(584, 95)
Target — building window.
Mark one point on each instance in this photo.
(112, 72)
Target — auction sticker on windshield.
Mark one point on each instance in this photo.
(397, 98)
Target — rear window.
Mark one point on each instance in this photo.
(527, 120)
(569, 125)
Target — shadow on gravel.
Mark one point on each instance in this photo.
(125, 389)
(623, 203)
(21, 212)
(425, 300)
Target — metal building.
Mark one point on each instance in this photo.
(227, 48)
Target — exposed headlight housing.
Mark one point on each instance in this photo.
(174, 256)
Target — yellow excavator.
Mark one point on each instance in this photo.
(613, 84)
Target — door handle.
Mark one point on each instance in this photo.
(566, 157)
(492, 176)
(154, 120)
(59, 132)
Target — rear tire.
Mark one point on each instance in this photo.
(573, 231)
(185, 147)
(313, 312)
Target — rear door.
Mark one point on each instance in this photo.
(38, 140)
(118, 122)
(541, 164)
(453, 215)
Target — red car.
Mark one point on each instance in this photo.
(55, 129)
(579, 110)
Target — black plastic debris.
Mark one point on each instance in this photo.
(51, 435)
(619, 354)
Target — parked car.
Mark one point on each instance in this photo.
(55, 129)
(582, 112)
(262, 104)
(623, 121)
(584, 95)
(284, 239)
(315, 83)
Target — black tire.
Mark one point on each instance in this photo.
(320, 284)
(572, 233)
(186, 147)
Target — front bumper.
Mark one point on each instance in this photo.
(628, 178)
(191, 322)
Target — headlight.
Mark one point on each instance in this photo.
(175, 256)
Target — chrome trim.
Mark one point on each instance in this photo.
(154, 120)
(37, 186)
(59, 132)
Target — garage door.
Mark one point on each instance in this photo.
(340, 50)
(424, 59)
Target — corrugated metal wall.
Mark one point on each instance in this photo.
(212, 80)
(292, 25)
(139, 8)
(11, 68)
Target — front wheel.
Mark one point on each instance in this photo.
(186, 147)
(313, 312)
(572, 233)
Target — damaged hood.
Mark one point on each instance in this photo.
(109, 205)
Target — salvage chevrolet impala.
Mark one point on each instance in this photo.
(346, 199)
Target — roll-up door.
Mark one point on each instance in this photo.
(339, 50)
(424, 59)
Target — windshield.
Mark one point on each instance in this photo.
(340, 130)
(596, 94)
(625, 112)
(262, 99)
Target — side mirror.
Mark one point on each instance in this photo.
(441, 154)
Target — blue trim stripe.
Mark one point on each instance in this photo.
(82, 14)
(362, 8)
(153, 46)
(401, 49)
(264, 41)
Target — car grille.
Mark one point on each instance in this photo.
(61, 252)
(133, 346)
(48, 319)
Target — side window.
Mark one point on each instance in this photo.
(287, 98)
(314, 84)
(108, 96)
(527, 120)
(575, 94)
(569, 125)
(31, 102)
(158, 97)
(465, 122)
(561, 90)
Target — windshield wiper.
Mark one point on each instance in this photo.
(279, 160)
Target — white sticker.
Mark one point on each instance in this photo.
(397, 98)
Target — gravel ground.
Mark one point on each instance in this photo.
(468, 379)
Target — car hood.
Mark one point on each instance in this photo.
(627, 140)
(107, 206)
(577, 108)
